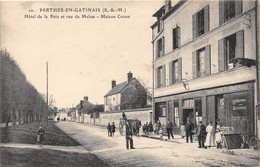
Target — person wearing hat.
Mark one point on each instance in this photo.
(210, 135)
(201, 132)
(40, 136)
(129, 135)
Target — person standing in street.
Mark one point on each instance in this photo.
(113, 129)
(40, 137)
(189, 131)
(129, 135)
(183, 130)
(210, 135)
(201, 131)
(169, 129)
(109, 130)
(150, 129)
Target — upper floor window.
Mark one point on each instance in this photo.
(200, 22)
(161, 76)
(229, 48)
(201, 62)
(229, 9)
(176, 71)
(176, 37)
(160, 25)
(160, 47)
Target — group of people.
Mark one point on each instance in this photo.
(206, 135)
(111, 129)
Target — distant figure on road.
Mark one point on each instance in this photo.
(109, 130)
(58, 119)
(169, 129)
(40, 137)
(201, 132)
(129, 135)
(189, 129)
(124, 116)
(113, 129)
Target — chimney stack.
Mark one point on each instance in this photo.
(113, 84)
(168, 5)
(86, 98)
(129, 76)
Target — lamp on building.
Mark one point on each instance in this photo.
(247, 20)
(185, 84)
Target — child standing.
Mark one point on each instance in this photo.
(161, 133)
(218, 138)
(40, 136)
(183, 131)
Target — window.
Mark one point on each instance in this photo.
(200, 25)
(201, 62)
(176, 113)
(161, 76)
(160, 47)
(198, 111)
(200, 22)
(230, 48)
(229, 9)
(160, 25)
(176, 71)
(176, 37)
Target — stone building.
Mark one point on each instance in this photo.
(204, 63)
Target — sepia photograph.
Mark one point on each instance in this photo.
(130, 83)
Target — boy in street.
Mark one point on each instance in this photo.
(129, 135)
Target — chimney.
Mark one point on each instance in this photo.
(113, 84)
(86, 98)
(129, 76)
(168, 5)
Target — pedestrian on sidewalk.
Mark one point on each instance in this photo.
(218, 138)
(113, 129)
(189, 131)
(169, 129)
(210, 135)
(150, 129)
(200, 132)
(129, 135)
(183, 130)
(109, 130)
(40, 136)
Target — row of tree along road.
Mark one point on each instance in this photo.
(20, 102)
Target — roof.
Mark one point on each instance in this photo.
(117, 89)
(97, 107)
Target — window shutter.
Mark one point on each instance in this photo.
(240, 44)
(238, 7)
(206, 19)
(194, 26)
(194, 64)
(179, 37)
(208, 60)
(163, 45)
(221, 55)
(156, 79)
(170, 73)
(164, 76)
(221, 11)
(180, 69)
(173, 39)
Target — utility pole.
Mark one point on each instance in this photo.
(47, 93)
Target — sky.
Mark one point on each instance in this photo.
(84, 54)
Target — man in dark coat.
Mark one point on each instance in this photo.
(113, 129)
(201, 132)
(169, 129)
(129, 135)
(109, 130)
(189, 128)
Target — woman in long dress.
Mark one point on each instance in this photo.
(210, 136)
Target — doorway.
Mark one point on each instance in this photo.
(188, 114)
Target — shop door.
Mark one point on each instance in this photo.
(188, 115)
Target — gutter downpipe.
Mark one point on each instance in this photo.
(257, 69)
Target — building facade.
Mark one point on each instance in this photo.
(126, 95)
(204, 63)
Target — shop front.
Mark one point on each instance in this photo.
(232, 105)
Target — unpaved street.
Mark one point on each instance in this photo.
(150, 152)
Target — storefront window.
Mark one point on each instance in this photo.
(188, 103)
(176, 113)
(198, 110)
